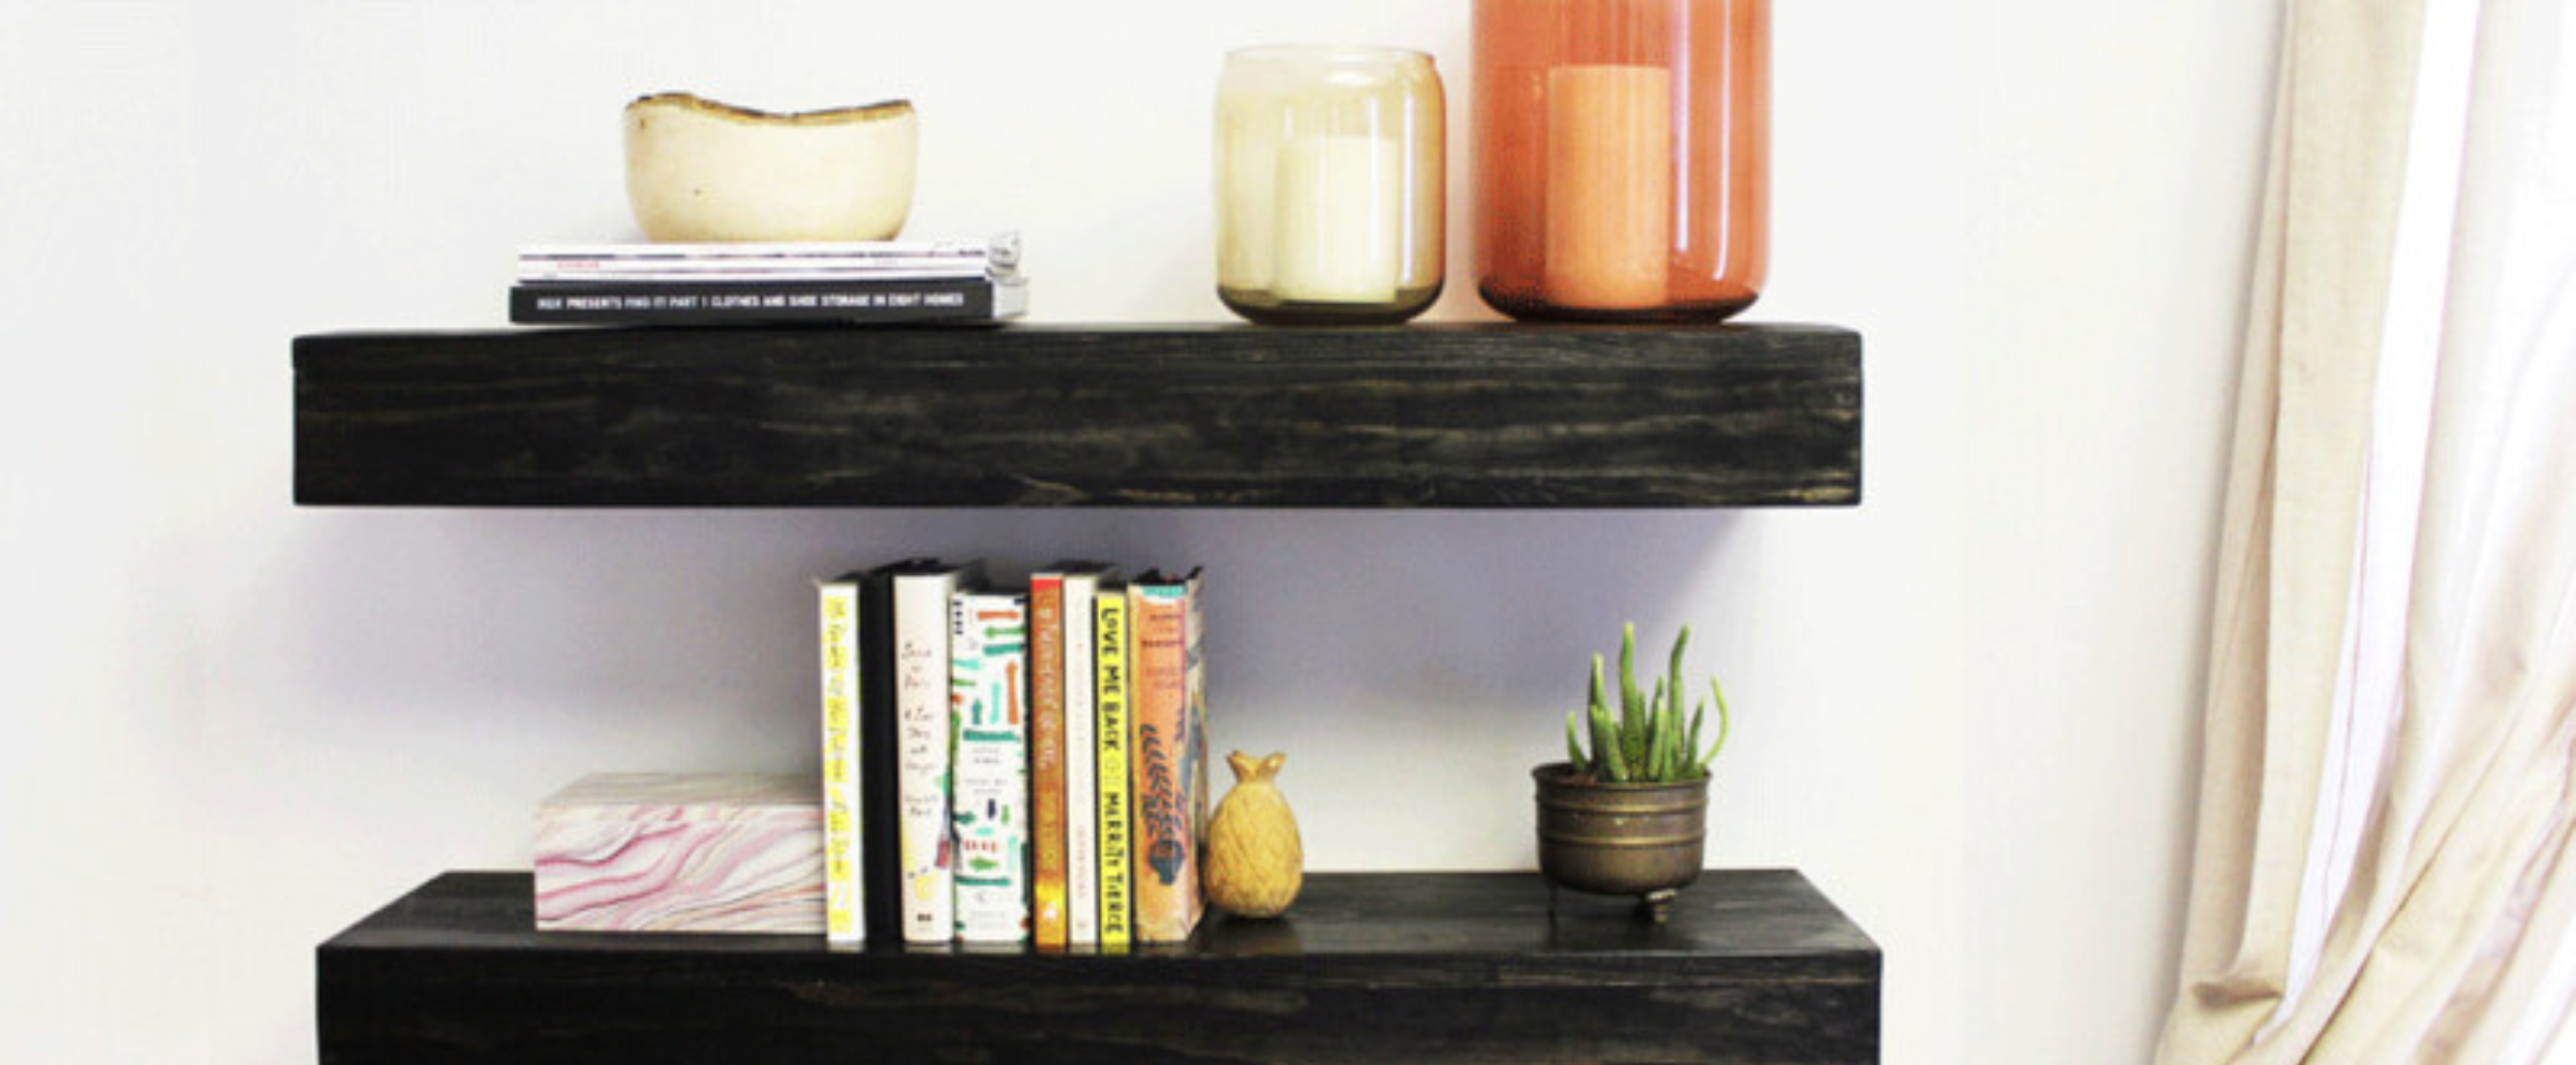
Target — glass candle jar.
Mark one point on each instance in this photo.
(1622, 157)
(1328, 185)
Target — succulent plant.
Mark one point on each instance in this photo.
(1647, 741)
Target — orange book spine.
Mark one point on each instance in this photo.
(1164, 752)
(1046, 758)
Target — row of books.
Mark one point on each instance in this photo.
(1005, 764)
(893, 281)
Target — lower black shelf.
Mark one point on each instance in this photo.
(1755, 966)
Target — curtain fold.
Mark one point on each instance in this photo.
(2294, 494)
(2451, 938)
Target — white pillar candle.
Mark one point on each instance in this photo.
(1340, 232)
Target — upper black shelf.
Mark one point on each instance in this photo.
(1120, 416)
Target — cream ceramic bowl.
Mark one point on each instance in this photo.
(697, 170)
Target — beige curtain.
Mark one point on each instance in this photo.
(2382, 870)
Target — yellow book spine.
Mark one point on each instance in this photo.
(843, 905)
(1110, 663)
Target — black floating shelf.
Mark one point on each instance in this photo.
(1755, 966)
(1187, 416)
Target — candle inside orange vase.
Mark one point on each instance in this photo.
(1609, 186)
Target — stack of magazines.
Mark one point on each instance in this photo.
(893, 281)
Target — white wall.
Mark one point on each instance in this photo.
(1968, 708)
(2115, 162)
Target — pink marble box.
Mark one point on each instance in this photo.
(674, 852)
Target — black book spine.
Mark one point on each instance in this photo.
(880, 857)
(742, 302)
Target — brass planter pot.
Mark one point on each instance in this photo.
(1645, 840)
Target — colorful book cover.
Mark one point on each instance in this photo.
(1046, 757)
(1081, 755)
(989, 701)
(844, 908)
(921, 606)
(1168, 758)
(1109, 643)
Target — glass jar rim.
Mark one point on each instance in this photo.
(1327, 53)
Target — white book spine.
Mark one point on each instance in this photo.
(844, 898)
(1081, 759)
(922, 769)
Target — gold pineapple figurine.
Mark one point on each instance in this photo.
(1255, 863)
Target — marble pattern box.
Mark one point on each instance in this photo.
(670, 852)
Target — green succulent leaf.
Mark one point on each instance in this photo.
(1725, 724)
(1691, 739)
(1595, 703)
(1632, 703)
(1674, 670)
(1655, 744)
(1605, 742)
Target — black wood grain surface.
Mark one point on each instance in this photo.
(1127, 416)
(1369, 969)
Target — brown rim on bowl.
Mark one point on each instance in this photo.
(827, 117)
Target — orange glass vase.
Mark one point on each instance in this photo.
(1622, 157)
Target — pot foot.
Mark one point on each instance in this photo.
(1657, 906)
